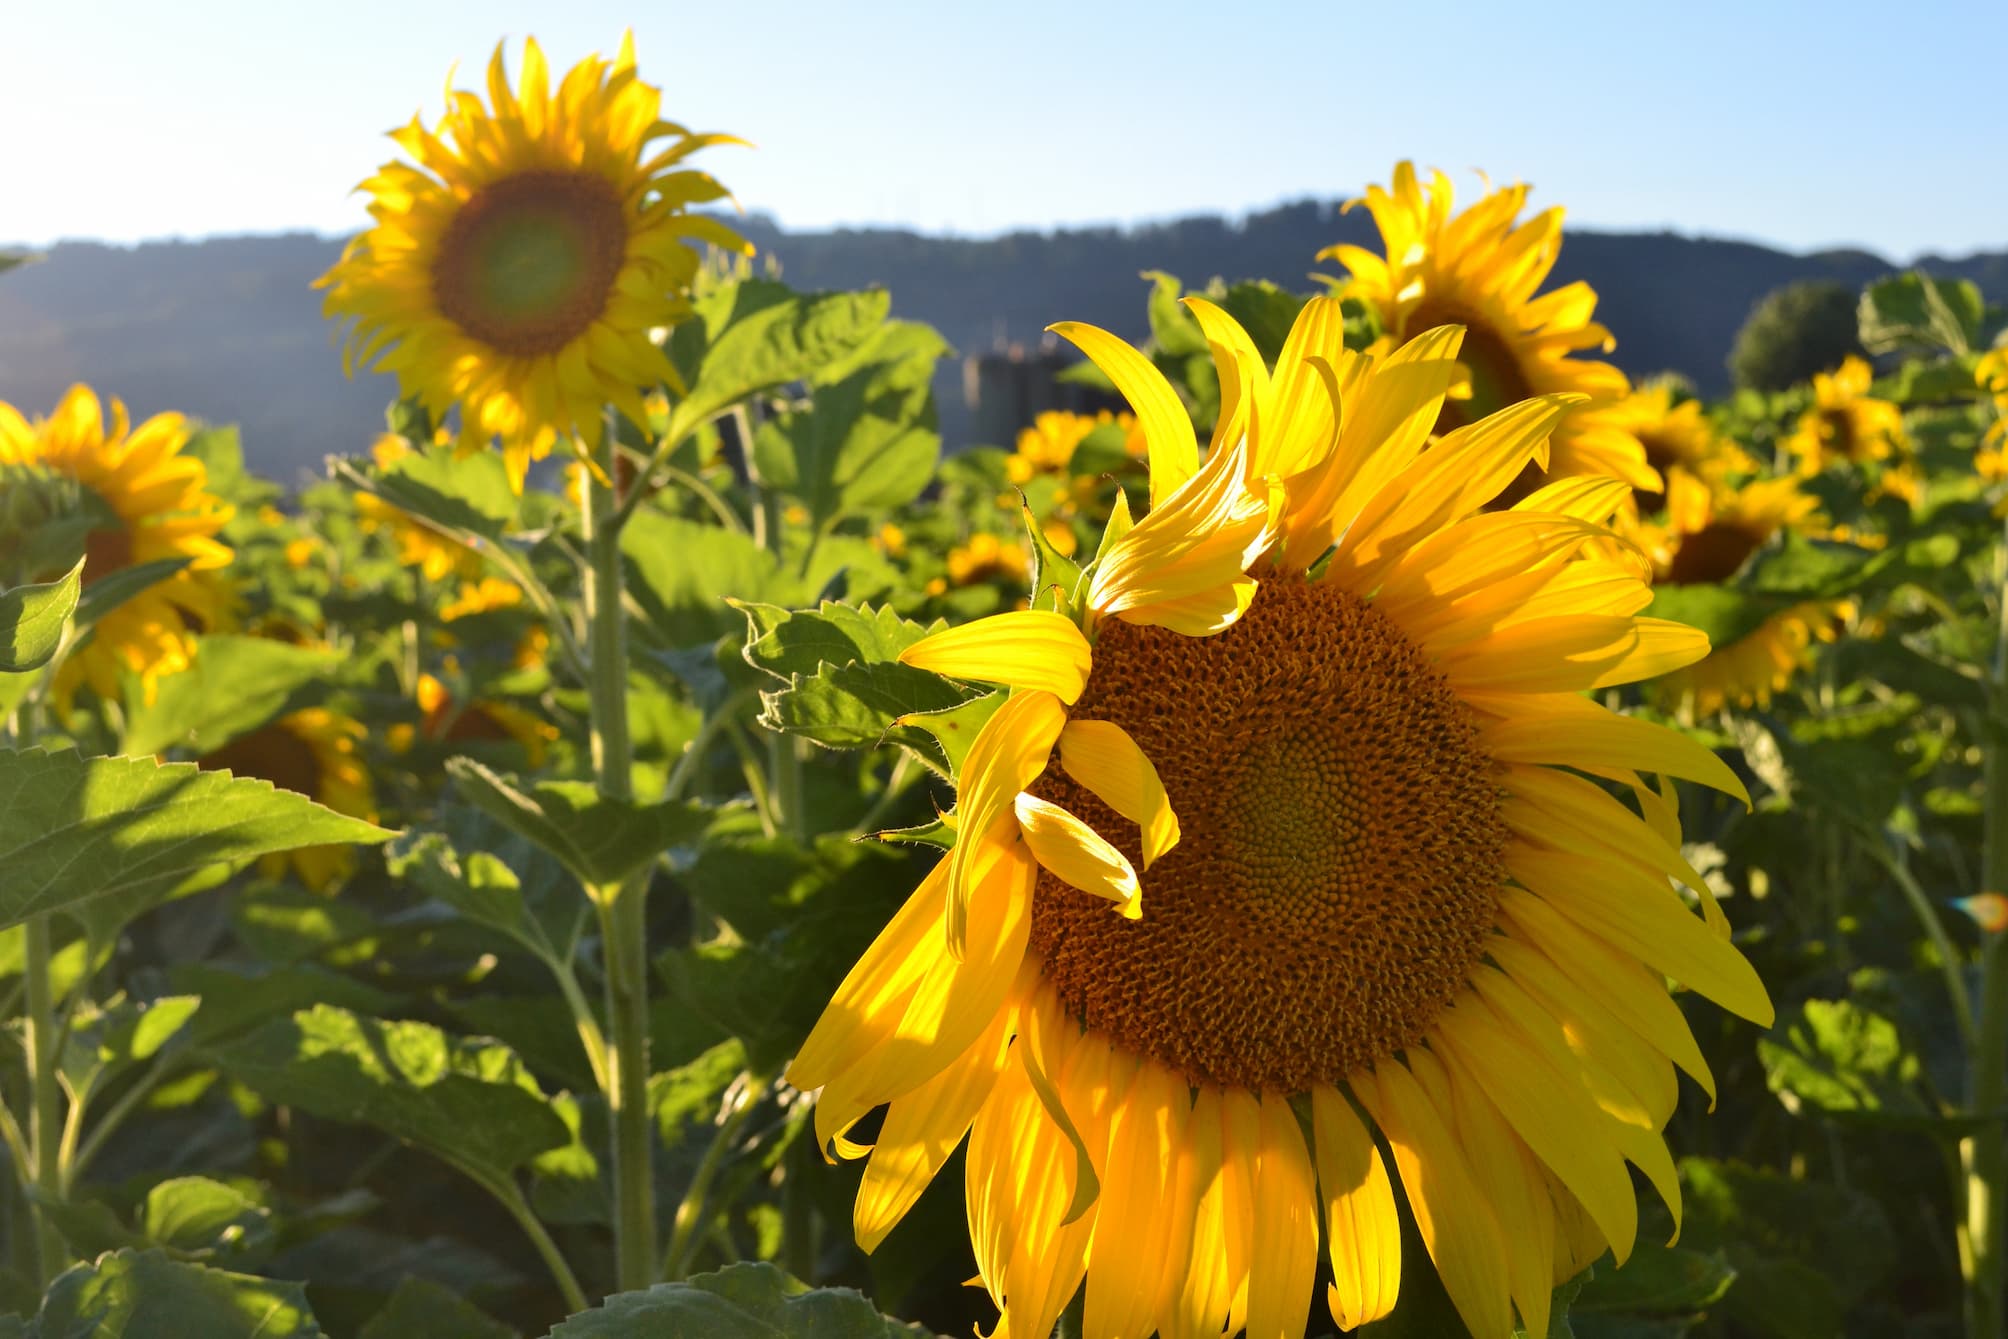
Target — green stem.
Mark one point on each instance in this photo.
(690, 1214)
(693, 754)
(786, 793)
(108, 1124)
(1951, 961)
(45, 1125)
(1983, 1155)
(590, 1037)
(623, 910)
(511, 1199)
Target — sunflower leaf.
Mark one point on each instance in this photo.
(469, 1101)
(786, 642)
(867, 441)
(422, 1307)
(235, 685)
(75, 828)
(137, 1294)
(603, 842)
(495, 876)
(758, 334)
(32, 619)
(465, 498)
(1916, 311)
(742, 1301)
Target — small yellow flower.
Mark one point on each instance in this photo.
(480, 597)
(1846, 422)
(303, 552)
(890, 540)
(986, 558)
(418, 545)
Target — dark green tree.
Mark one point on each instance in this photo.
(1792, 333)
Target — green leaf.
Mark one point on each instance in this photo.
(104, 1043)
(857, 705)
(1787, 1239)
(473, 865)
(235, 685)
(1656, 1280)
(195, 1217)
(1916, 311)
(1726, 613)
(758, 334)
(742, 1301)
(466, 497)
(1265, 311)
(799, 918)
(32, 620)
(1056, 578)
(681, 573)
(421, 1309)
(468, 1101)
(1841, 1059)
(867, 441)
(1173, 328)
(236, 997)
(787, 642)
(602, 841)
(150, 1295)
(690, 1093)
(73, 828)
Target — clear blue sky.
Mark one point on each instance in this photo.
(1801, 124)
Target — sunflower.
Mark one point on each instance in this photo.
(144, 501)
(419, 546)
(1846, 422)
(1273, 832)
(317, 753)
(1708, 534)
(1048, 446)
(1677, 436)
(1480, 270)
(451, 722)
(518, 263)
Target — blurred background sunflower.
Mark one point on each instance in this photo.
(123, 497)
(1481, 270)
(1845, 422)
(314, 752)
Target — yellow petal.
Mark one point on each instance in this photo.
(1362, 1227)
(1570, 731)
(1458, 1227)
(1077, 853)
(1284, 1261)
(1244, 381)
(1136, 1237)
(1548, 1108)
(1167, 428)
(1007, 755)
(1026, 648)
(921, 1131)
(1572, 653)
(1191, 552)
(1102, 756)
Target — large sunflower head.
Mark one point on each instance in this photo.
(140, 500)
(518, 262)
(1297, 819)
(315, 752)
(1845, 422)
(1480, 270)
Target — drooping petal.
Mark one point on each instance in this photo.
(1082, 857)
(1137, 1234)
(1008, 754)
(1102, 756)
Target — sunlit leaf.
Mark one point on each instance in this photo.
(74, 828)
(32, 620)
(742, 1301)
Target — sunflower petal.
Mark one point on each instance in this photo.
(1362, 1228)
(1079, 855)
(1026, 648)
(1102, 756)
(1167, 428)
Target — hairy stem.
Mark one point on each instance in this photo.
(45, 1117)
(623, 911)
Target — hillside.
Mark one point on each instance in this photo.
(229, 329)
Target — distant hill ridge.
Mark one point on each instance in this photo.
(229, 329)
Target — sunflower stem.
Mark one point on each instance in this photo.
(1983, 1155)
(45, 1124)
(623, 910)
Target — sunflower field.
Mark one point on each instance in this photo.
(1389, 827)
